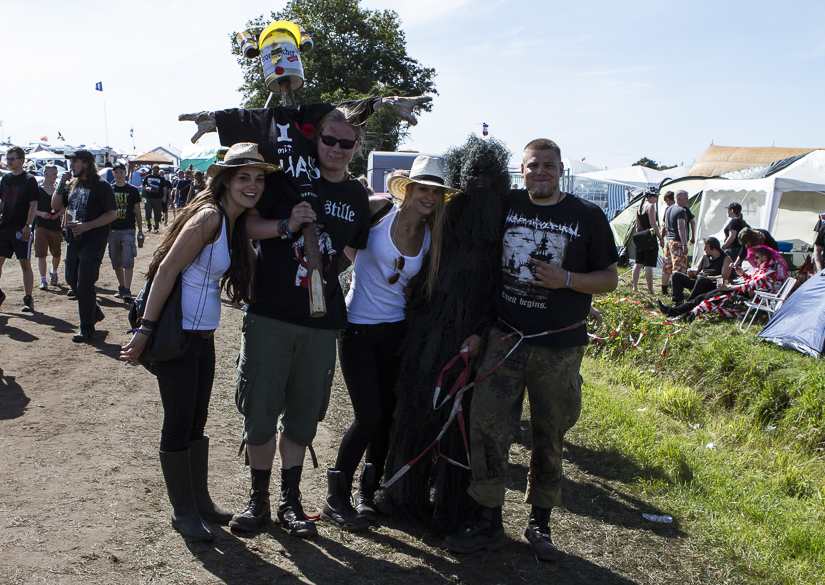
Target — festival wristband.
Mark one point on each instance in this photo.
(143, 331)
(567, 283)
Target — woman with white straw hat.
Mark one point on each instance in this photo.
(208, 246)
(369, 347)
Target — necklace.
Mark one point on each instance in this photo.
(395, 229)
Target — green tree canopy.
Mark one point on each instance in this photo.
(358, 53)
(651, 164)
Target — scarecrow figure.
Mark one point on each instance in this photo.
(461, 304)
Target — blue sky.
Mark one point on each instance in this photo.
(610, 81)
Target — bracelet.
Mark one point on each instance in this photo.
(143, 331)
(567, 283)
(147, 323)
(283, 229)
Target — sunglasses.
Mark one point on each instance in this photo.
(399, 266)
(345, 143)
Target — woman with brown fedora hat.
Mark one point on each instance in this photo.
(207, 245)
(368, 348)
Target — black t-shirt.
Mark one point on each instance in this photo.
(672, 216)
(712, 266)
(769, 242)
(153, 186)
(17, 192)
(280, 285)
(734, 225)
(89, 204)
(125, 197)
(574, 234)
(44, 203)
(183, 186)
(820, 231)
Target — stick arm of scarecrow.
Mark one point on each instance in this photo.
(403, 106)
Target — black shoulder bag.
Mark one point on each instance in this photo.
(167, 341)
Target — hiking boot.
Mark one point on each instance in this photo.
(257, 511)
(127, 295)
(83, 336)
(53, 280)
(178, 478)
(119, 293)
(28, 304)
(487, 532)
(365, 500)
(199, 464)
(44, 283)
(537, 535)
(338, 508)
(665, 291)
(290, 512)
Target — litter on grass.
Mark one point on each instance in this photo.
(660, 519)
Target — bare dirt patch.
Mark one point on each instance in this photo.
(82, 498)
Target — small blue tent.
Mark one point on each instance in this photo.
(800, 321)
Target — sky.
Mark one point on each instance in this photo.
(610, 81)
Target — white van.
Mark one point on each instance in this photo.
(382, 163)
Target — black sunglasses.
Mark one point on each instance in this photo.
(345, 143)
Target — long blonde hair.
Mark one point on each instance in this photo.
(435, 221)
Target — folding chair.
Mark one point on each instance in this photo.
(768, 302)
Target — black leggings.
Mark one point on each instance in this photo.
(185, 388)
(369, 356)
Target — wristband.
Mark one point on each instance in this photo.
(283, 229)
(143, 331)
(567, 283)
(147, 323)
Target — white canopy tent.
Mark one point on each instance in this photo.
(609, 188)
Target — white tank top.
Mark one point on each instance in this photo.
(201, 294)
(371, 298)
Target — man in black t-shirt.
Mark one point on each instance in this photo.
(18, 203)
(180, 189)
(819, 243)
(122, 248)
(676, 240)
(91, 207)
(558, 251)
(155, 192)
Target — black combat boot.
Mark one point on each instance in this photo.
(486, 532)
(537, 535)
(290, 512)
(199, 463)
(178, 478)
(365, 500)
(338, 507)
(257, 511)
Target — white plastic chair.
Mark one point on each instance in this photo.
(765, 301)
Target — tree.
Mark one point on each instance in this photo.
(651, 164)
(357, 53)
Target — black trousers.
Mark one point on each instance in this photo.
(83, 258)
(153, 206)
(185, 387)
(697, 287)
(369, 356)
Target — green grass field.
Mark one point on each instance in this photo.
(721, 429)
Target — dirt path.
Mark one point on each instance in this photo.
(82, 499)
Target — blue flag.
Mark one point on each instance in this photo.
(99, 86)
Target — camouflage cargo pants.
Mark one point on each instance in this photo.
(551, 376)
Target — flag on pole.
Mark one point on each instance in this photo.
(99, 86)
(132, 132)
(484, 128)
(60, 137)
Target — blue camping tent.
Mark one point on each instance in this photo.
(800, 321)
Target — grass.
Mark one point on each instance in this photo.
(721, 429)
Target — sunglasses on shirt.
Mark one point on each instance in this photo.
(345, 143)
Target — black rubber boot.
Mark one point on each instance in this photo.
(365, 500)
(537, 535)
(257, 511)
(338, 507)
(486, 532)
(178, 478)
(199, 463)
(290, 512)
(664, 290)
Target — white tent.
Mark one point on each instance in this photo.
(575, 167)
(637, 177)
(786, 203)
(609, 188)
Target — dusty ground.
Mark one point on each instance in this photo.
(82, 499)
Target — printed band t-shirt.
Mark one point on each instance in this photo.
(125, 197)
(280, 286)
(88, 204)
(44, 204)
(17, 192)
(573, 234)
(153, 186)
(672, 216)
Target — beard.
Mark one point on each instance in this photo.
(544, 192)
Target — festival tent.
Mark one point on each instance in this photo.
(718, 160)
(576, 167)
(786, 202)
(609, 189)
(800, 321)
(200, 157)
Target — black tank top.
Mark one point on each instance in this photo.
(644, 219)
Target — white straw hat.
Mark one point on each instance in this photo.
(426, 170)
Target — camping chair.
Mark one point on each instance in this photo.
(768, 302)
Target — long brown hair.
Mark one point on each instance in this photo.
(236, 282)
(435, 221)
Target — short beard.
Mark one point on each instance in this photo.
(545, 192)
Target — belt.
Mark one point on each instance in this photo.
(205, 333)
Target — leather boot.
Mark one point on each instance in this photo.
(290, 512)
(338, 507)
(486, 532)
(178, 478)
(199, 463)
(365, 500)
(537, 535)
(257, 511)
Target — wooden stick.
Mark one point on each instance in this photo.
(312, 250)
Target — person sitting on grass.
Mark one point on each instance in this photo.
(713, 263)
(768, 264)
